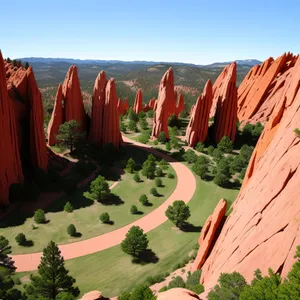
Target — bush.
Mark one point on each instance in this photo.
(150, 113)
(104, 218)
(190, 156)
(39, 216)
(218, 154)
(163, 289)
(171, 176)
(174, 142)
(162, 138)
(136, 177)
(100, 189)
(168, 146)
(149, 167)
(197, 288)
(154, 192)
(142, 115)
(124, 296)
(158, 182)
(71, 230)
(221, 180)
(155, 142)
(176, 282)
(144, 124)
(142, 292)
(200, 147)
(133, 209)
(132, 126)
(132, 116)
(123, 127)
(144, 200)
(225, 145)
(163, 164)
(159, 172)
(193, 278)
(130, 166)
(21, 239)
(210, 150)
(68, 207)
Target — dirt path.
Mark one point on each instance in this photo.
(185, 189)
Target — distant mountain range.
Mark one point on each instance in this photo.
(246, 62)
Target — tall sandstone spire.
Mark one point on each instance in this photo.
(165, 104)
(98, 102)
(138, 103)
(11, 168)
(197, 128)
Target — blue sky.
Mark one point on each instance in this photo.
(197, 31)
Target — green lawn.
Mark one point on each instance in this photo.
(112, 272)
(86, 219)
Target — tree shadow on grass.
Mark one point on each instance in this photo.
(146, 257)
(208, 177)
(77, 235)
(188, 227)
(148, 204)
(112, 200)
(28, 243)
(110, 222)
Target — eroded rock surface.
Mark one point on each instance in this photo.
(197, 128)
(180, 105)
(138, 103)
(177, 294)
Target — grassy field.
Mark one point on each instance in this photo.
(112, 272)
(86, 219)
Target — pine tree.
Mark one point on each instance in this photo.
(53, 277)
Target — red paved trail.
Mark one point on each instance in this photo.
(185, 188)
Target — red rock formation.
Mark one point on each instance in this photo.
(11, 169)
(38, 149)
(197, 128)
(126, 104)
(255, 94)
(98, 102)
(138, 103)
(73, 102)
(111, 123)
(152, 103)
(267, 209)
(93, 295)
(179, 106)
(208, 233)
(165, 104)
(57, 117)
(225, 117)
(177, 294)
(120, 107)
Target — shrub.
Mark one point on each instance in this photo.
(150, 113)
(193, 278)
(159, 172)
(154, 192)
(68, 207)
(162, 138)
(197, 288)
(210, 150)
(136, 177)
(71, 230)
(190, 156)
(218, 154)
(158, 182)
(178, 213)
(220, 180)
(105, 218)
(21, 239)
(130, 166)
(168, 146)
(124, 296)
(225, 145)
(39, 216)
(133, 209)
(171, 176)
(200, 147)
(100, 189)
(176, 282)
(142, 115)
(163, 289)
(132, 116)
(149, 167)
(142, 292)
(163, 164)
(123, 127)
(132, 126)
(174, 142)
(144, 200)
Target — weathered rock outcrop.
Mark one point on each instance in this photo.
(11, 168)
(165, 104)
(98, 102)
(93, 295)
(152, 103)
(73, 102)
(180, 105)
(138, 103)
(225, 97)
(126, 104)
(111, 122)
(208, 233)
(121, 107)
(197, 128)
(177, 294)
(266, 212)
(255, 94)
(57, 117)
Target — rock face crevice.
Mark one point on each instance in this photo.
(266, 212)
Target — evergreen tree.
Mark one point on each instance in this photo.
(149, 167)
(53, 278)
(100, 189)
(5, 260)
(178, 213)
(225, 145)
(130, 165)
(69, 134)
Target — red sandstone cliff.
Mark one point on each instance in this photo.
(98, 102)
(255, 94)
(11, 169)
(73, 102)
(180, 105)
(57, 117)
(197, 128)
(225, 100)
(165, 104)
(263, 229)
(126, 104)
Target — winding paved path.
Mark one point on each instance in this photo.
(185, 189)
